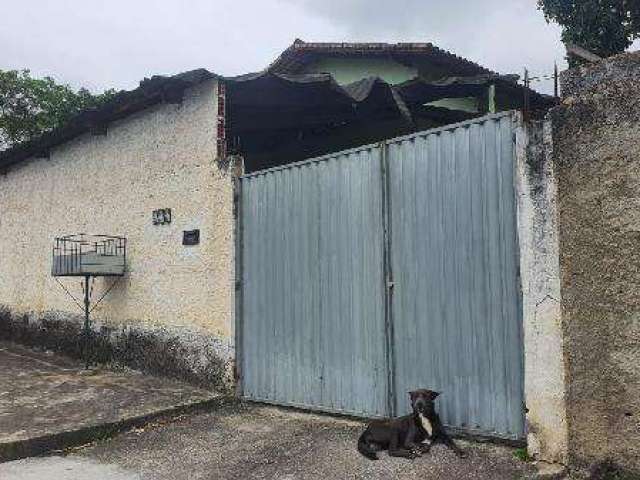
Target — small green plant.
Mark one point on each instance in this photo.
(522, 454)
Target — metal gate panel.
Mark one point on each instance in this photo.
(313, 320)
(456, 316)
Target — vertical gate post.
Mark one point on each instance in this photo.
(87, 327)
(388, 280)
(238, 284)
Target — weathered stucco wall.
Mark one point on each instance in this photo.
(545, 380)
(596, 139)
(178, 299)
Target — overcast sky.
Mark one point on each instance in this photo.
(114, 44)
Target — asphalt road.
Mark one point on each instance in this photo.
(257, 442)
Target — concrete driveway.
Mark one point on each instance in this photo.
(241, 441)
(49, 402)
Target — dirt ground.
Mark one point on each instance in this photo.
(243, 441)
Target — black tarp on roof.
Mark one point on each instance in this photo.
(418, 91)
(270, 100)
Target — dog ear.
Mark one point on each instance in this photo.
(412, 395)
(434, 395)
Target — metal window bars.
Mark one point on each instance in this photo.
(94, 255)
(83, 255)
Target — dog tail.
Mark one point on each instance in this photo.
(365, 449)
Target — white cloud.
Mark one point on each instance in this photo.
(116, 43)
(504, 36)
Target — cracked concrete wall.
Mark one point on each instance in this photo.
(596, 138)
(162, 157)
(545, 381)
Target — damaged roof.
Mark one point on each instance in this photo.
(300, 54)
(306, 99)
(286, 101)
(418, 90)
(278, 100)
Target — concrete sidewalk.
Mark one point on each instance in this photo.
(253, 442)
(48, 402)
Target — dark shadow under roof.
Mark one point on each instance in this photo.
(281, 118)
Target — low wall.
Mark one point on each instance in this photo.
(187, 354)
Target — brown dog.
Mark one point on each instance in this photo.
(408, 436)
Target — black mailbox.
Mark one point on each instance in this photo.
(191, 237)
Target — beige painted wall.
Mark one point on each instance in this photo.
(163, 157)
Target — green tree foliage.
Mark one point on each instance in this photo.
(31, 106)
(604, 27)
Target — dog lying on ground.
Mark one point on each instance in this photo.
(408, 436)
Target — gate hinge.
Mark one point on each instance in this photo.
(390, 285)
(238, 284)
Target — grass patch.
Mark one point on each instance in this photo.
(522, 454)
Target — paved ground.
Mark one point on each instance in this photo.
(258, 442)
(44, 397)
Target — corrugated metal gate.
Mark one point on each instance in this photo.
(370, 272)
(454, 260)
(313, 302)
